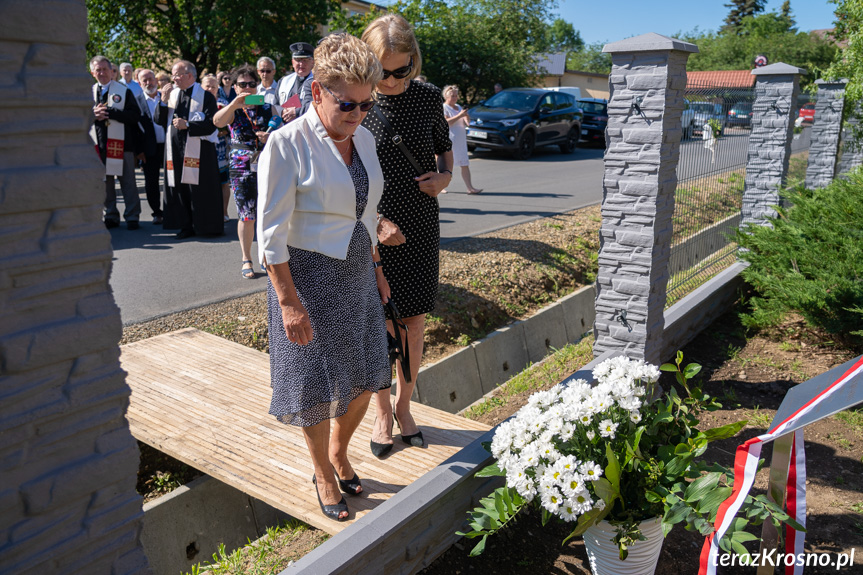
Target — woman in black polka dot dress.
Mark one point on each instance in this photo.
(409, 228)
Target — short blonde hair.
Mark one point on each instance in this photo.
(345, 57)
(391, 34)
(449, 88)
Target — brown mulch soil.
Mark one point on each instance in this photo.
(750, 375)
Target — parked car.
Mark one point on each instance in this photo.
(696, 114)
(595, 119)
(807, 112)
(571, 90)
(518, 120)
(740, 114)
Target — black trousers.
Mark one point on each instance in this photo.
(152, 170)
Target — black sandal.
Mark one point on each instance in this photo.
(331, 511)
(415, 440)
(349, 486)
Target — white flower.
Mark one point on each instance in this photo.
(581, 502)
(590, 434)
(548, 452)
(567, 511)
(551, 499)
(635, 416)
(585, 419)
(599, 504)
(567, 430)
(607, 428)
(590, 471)
(527, 490)
(573, 483)
(529, 456)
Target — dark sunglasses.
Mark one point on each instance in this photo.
(400, 73)
(251, 84)
(349, 106)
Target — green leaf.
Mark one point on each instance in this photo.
(710, 503)
(471, 534)
(652, 497)
(681, 449)
(480, 547)
(586, 521)
(743, 536)
(701, 487)
(704, 526)
(612, 470)
(691, 370)
(678, 465)
(725, 431)
(491, 471)
(676, 513)
(546, 515)
(500, 506)
(740, 550)
(667, 367)
(605, 491)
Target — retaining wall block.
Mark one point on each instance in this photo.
(579, 312)
(452, 383)
(544, 330)
(500, 356)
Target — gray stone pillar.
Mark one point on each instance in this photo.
(647, 82)
(824, 146)
(68, 463)
(851, 152)
(776, 89)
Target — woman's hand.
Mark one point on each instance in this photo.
(389, 234)
(295, 318)
(383, 285)
(432, 183)
(262, 136)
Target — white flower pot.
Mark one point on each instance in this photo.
(605, 557)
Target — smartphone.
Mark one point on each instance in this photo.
(254, 100)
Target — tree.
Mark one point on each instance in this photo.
(741, 9)
(473, 43)
(591, 58)
(773, 34)
(848, 62)
(212, 34)
(560, 36)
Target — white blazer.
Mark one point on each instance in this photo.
(306, 197)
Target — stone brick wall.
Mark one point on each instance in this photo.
(638, 193)
(67, 460)
(769, 142)
(824, 146)
(851, 154)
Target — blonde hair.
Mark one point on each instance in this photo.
(345, 57)
(391, 34)
(449, 88)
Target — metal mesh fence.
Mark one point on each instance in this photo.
(710, 181)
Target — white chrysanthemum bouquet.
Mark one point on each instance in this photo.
(616, 450)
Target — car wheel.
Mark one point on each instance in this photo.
(526, 144)
(471, 148)
(571, 143)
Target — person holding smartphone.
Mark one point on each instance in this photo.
(247, 124)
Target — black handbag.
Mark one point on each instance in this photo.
(397, 347)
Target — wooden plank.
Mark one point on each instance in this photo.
(205, 401)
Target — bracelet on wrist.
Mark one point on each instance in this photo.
(377, 265)
(445, 172)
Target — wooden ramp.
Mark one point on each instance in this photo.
(204, 400)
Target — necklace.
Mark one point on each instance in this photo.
(345, 139)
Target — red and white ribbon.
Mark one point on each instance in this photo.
(746, 466)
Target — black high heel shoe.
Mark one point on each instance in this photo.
(331, 511)
(381, 449)
(350, 486)
(415, 440)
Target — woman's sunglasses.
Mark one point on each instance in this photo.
(400, 73)
(350, 106)
(251, 84)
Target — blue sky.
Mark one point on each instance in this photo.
(612, 20)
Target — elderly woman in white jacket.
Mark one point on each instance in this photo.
(319, 183)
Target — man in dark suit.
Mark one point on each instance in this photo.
(114, 103)
(154, 143)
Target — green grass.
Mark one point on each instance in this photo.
(262, 557)
(853, 418)
(759, 418)
(543, 375)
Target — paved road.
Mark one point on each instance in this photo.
(154, 274)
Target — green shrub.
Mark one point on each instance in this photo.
(810, 261)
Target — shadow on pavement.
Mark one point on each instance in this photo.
(153, 237)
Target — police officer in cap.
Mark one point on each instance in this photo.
(298, 83)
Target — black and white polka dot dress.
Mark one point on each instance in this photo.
(411, 268)
(348, 354)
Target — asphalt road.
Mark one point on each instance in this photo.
(154, 274)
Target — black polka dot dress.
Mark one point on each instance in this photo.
(411, 268)
(348, 354)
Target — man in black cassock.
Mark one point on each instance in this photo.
(193, 209)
